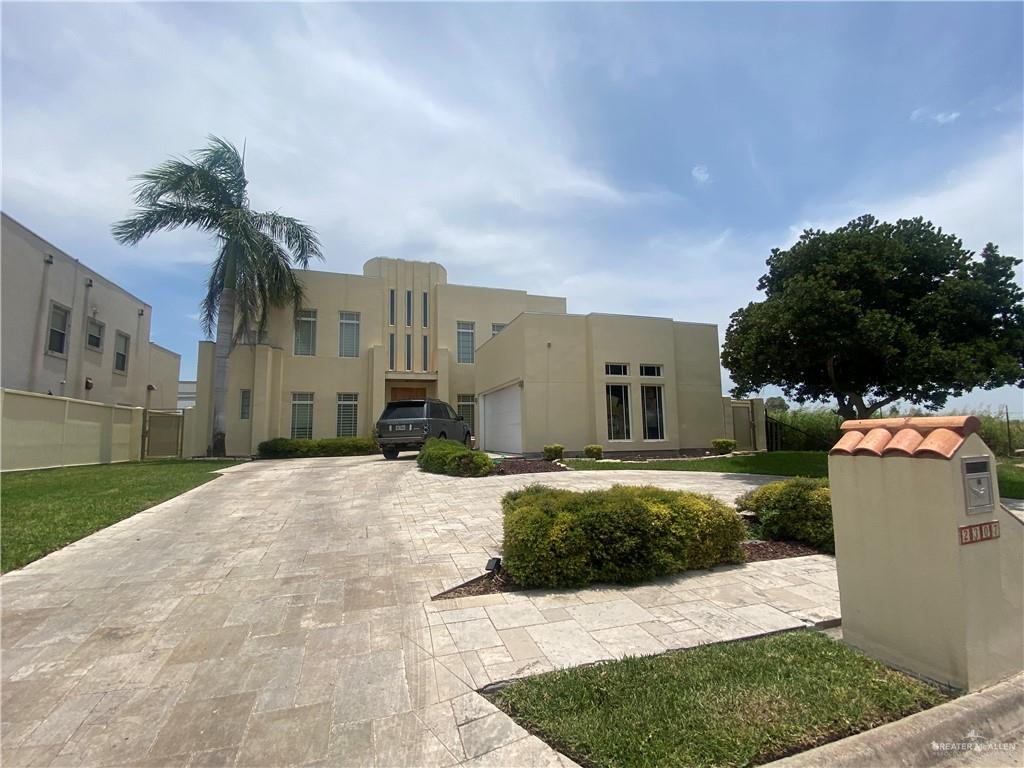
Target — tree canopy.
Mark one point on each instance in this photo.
(876, 312)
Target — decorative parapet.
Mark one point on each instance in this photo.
(913, 436)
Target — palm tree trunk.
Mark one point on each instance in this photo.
(222, 349)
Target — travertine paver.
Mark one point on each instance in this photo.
(281, 615)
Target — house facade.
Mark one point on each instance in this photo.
(68, 331)
(519, 369)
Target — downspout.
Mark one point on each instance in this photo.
(68, 336)
(41, 323)
(79, 382)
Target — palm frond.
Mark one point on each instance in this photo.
(222, 158)
(210, 305)
(301, 240)
(184, 182)
(163, 216)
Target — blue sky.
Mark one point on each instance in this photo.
(633, 158)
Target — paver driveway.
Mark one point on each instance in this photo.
(280, 615)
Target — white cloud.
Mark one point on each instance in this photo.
(942, 118)
(700, 174)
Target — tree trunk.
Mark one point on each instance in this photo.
(222, 349)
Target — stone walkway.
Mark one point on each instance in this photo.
(281, 615)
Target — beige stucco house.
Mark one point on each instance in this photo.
(68, 331)
(519, 369)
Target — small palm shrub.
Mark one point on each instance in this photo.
(287, 448)
(723, 445)
(447, 457)
(553, 452)
(626, 534)
(798, 509)
(593, 451)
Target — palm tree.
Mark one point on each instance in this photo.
(256, 252)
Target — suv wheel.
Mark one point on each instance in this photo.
(468, 441)
(390, 453)
(442, 436)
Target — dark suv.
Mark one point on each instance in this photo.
(406, 425)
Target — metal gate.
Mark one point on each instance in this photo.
(163, 434)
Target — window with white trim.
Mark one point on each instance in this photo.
(497, 328)
(616, 369)
(348, 414)
(408, 351)
(302, 415)
(617, 411)
(650, 369)
(654, 412)
(305, 332)
(391, 306)
(348, 334)
(122, 343)
(94, 334)
(465, 406)
(57, 339)
(391, 351)
(244, 404)
(465, 333)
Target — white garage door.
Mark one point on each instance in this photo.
(503, 421)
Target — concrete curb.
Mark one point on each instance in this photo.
(996, 714)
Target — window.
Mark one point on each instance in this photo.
(57, 341)
(616, 369)
(408, 351)
(122, 341)
(348, 345)
(305, 332)
(426, 353)
(649, 369)
(497, 328)
(391, 307)
(244, 404)
(302, 415)
(465, 333)
(617, 408)
(408, 309)
(348, 414)
(426, 310)
(654, 417)
(94, 334)
(391, 352)
(465, 405)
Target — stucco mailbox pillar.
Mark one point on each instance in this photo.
(930, 564)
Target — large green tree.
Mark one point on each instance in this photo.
(257, 253)
(875, 312)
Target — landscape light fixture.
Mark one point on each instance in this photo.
(493, 565)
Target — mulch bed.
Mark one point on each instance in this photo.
(775, 550)
(525, 467)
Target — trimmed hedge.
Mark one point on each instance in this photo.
(798, 509)
(626, 534)
(286, 448)
(723, 445)
(447, 457)
(593, 451)
(553, 452)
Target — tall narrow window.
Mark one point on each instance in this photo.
(465, 332)
(497, 328)
(426, 353)
(348, 414)
(57, 341)
(94, 334)
(654, 417)
(122, 342)
(408, 351)
(391, 352)
(466, 407)
(305, 332)
(391, 306)
(426, 309)
(408, 309)
(348, 335)
(617, 410)
(244, 404)
(302, 415)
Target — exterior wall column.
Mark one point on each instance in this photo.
(263, 395)
(376, 387)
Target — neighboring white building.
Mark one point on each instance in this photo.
(186, 394)
(69, 331)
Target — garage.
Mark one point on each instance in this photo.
(502, 427)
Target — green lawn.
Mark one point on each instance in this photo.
(44, 510)
(787, 463)
(728, 704)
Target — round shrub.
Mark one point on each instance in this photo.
(466, 463)
(798, 509)
(553, 452)
(593, 451)
(626, 534)
(723, 445)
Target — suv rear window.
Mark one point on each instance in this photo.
(403, 411)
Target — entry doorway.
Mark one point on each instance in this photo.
(408, 393)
